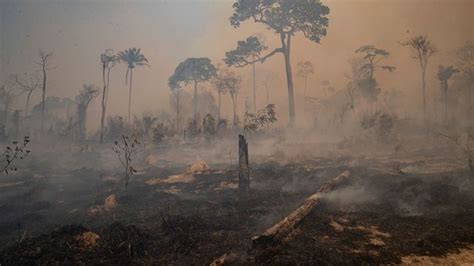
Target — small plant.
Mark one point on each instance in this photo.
(12, 153)
(126, 149)
(266, 116)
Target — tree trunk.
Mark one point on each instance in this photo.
(195, 102)
(235, 115)
(244, 169)
(6, 110)
(126, 174)
(28, 96)
(219, 106)
(446, 102)
(304, 95)
(43, 103)
(178, 125)
(289, 78)
(425, 119)
(130, 100)
(102, 118)
(469, 102)
(254, 89)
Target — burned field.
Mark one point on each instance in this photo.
(188, 211)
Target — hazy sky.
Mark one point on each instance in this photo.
(78, 31)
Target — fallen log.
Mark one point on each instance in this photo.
(281, 231)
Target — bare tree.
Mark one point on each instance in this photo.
(126, 149)
(44, 61)
(423, 51)
(27, 85)
(16, 151)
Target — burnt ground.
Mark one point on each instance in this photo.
(379, 216)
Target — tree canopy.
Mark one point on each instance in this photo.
(285, 16)
(192, 70)
(247, 52)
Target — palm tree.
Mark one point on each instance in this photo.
(444, 74)
(132, 57)
(108, 60)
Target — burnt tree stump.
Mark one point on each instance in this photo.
(244, 170)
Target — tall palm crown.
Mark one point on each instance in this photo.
(132, 57)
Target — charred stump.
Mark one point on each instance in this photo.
(244, 170)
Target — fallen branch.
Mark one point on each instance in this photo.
(282, 229)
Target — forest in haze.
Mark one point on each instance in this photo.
(236, 132)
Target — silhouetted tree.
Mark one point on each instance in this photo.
(86, 95)
(247, 52)
(423, 51)
(126, 149)
(444, 74)
(27, 85)
(232, 84)
(285, 18)
(304, 69)
(133, 57)
(7, 96)
(218, 84)
(371, 58)
(12, 153)
(465, 63)
(191, 70)
(108, 60)
(44, 62)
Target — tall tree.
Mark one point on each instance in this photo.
(423, 52)
(108, 60)
(44, 61)
(27, 85)
(192, 70)
(465, 63)
(219, 85)
(444, 74)
(231, 83)
(304, 69)
(285, 18)
(86, 95)
(371, 57)
(247, 52)
(133, 57)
